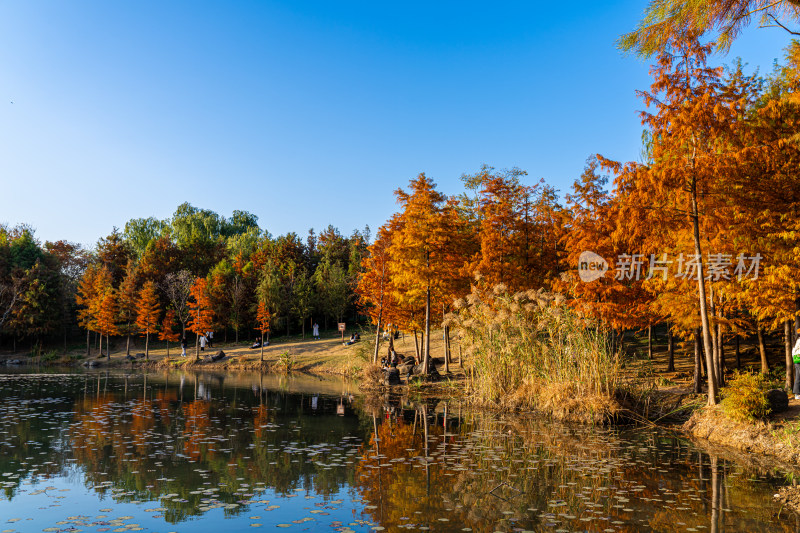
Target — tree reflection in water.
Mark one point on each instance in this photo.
(186, 444)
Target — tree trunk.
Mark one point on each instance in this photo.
(377, 338)
(698, 386)
(738, 354)
(146, 346)
(762, 350)
(88, 348)
(197, 347)
(416, 347)
(720, 357)
(650, 342)
(427, 340)
(714, 333)
(447, 349)
(108, 347)
(701, 285)
(670, 351)
(262, 347)
(128, 345)
(787, 341)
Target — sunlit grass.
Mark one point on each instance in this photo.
(529, 349)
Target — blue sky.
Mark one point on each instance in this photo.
(303, 113)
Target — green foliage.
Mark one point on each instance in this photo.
(333, 287)
(139, 232)
(50, 356)
(745, 398)
(364, 350)
(286, 362)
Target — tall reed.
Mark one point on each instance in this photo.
(530, 349)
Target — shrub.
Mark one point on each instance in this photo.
(745, 398)
(286, 362)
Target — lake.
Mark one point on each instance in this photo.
(161, 452)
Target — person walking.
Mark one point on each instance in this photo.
(315, 331)
(796, 360)
(210, 338)
(203, 342)
(183, 346)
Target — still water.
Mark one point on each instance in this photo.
(200, 452)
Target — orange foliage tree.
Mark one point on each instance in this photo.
(201, 316)
(167, 332)
(148, 310)
(105, 306)
(424, 266)
(85, 297)
(263, 317)
(373, 287)
(128, 296)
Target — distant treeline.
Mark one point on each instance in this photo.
(51, 291)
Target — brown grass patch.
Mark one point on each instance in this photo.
(371, 378)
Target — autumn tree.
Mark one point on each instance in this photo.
(105, 309)
(85, 298)
(228, 291)
(128, 294)
(373, 288)
(148, 311)
(693, 119)
(421, 250)
(113, 253)
(201, 315)
(167, 332)
(263, 317)
(665, 21)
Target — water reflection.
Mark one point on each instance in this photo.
(162, 451)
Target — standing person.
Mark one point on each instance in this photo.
(183, 346)
(203, 341)
(796, 360)
(315, 331)
(210, 338)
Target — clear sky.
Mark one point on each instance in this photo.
(303, 113)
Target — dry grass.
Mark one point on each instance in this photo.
(371, 378)
(530, 350)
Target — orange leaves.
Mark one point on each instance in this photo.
(200, 316)
(263, 317)
(148, 309)
(107, 312)
(167, 332)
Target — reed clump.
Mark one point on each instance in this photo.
(530, 350)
